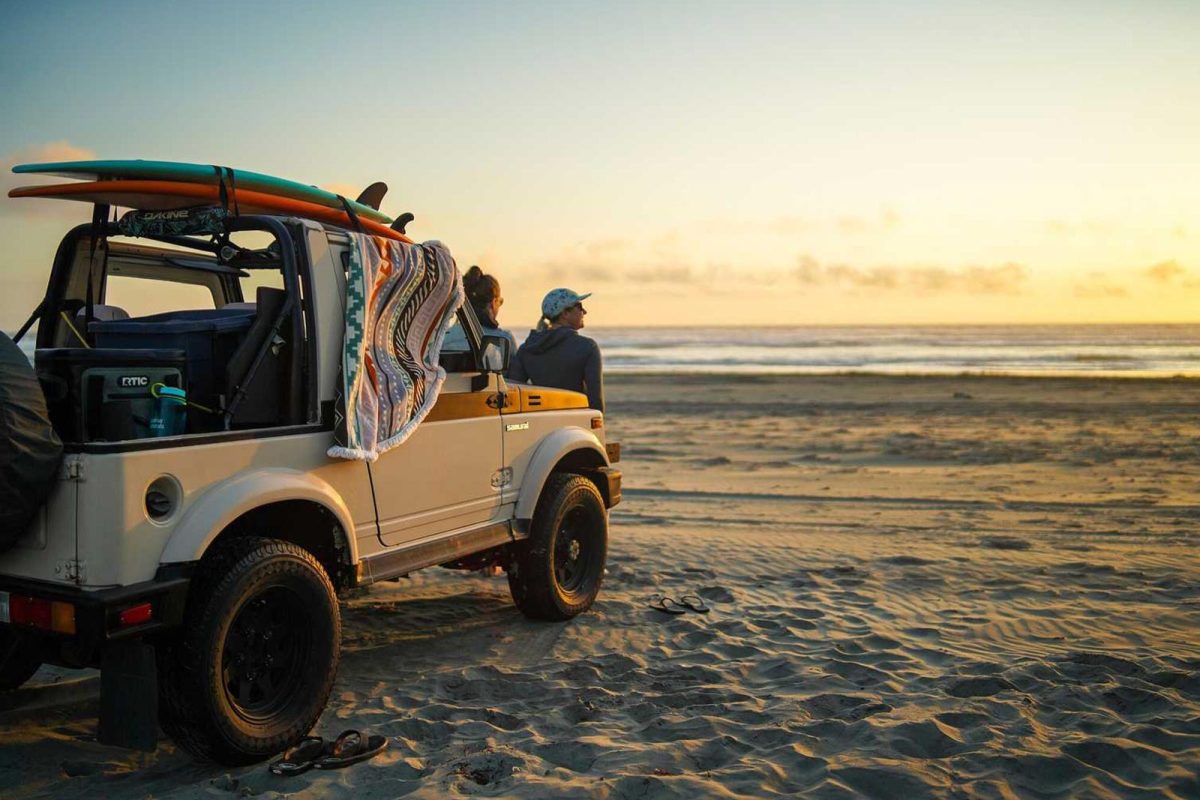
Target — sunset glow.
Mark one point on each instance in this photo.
(688, 163)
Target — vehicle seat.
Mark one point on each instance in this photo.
(267, 389)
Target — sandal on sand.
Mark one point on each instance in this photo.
(300, 757)
(666, 604)
(352, 747)
(693, 603)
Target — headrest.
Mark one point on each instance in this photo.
(103, 313)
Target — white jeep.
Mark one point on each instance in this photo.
(199, 571)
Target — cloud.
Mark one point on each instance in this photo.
(603, 247)
(1091, 227)
(1008, 278)
(847, 224)
(1164, 271)
(789, 226)
(852, 224)
(50, 151)
(635, 265)
(664, 273)
(565, 270)
(1098, 287)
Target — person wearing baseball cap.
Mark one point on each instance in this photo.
(555, 354)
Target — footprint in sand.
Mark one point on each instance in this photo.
(962, 720)
(574, 756)
(850, 708)
(718, 594)
(883, 782)
(489, 768)
(907, 561)
(1128, 762)
(1133, 702)
(1005, 543)
(715, 461)
(978, 687)
(926, 739)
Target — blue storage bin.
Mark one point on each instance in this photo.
(209, 337)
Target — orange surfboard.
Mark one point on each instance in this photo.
(173, 195)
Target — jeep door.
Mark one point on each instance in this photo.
(446, 476)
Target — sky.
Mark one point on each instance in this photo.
(690, 163)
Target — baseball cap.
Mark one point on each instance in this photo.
(557, 301)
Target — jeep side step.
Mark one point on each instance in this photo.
(433, 551)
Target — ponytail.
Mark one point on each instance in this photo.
(481, 289)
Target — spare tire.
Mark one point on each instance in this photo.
(31, 450)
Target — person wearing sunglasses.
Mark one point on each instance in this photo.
(555, 354)
(483, 293)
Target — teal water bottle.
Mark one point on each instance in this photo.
(170, 411)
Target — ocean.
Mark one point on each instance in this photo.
(1131, 350)
(1141, 350)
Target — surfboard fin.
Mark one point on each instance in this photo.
(373, 195)
(401, 221)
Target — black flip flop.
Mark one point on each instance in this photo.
(666, 605)
(352, 747)
(300, 757)
(694, 603)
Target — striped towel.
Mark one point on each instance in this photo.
(400, 300)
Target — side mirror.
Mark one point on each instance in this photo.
(495, 353)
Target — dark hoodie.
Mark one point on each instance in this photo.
(561, 358)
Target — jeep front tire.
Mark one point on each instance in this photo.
(556, 573)
(254, 664)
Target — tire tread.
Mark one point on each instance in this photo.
(182, 712)
(533, 587)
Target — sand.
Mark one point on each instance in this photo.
(920, 587)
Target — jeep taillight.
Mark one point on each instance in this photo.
(135, 615)
(49, 615)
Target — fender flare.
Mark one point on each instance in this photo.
(213, 512)
(548, 454)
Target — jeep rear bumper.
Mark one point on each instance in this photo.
(42, 610)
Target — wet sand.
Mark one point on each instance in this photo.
(920, 587)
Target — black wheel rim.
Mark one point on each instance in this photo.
(263, 661)
(576, 551)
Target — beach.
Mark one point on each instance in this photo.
(951, 586)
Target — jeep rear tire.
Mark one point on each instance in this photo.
(254, 664)
(19, 659)
(556, 573)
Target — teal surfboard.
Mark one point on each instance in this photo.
(198, 173)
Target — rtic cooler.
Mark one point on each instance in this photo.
(104, 395)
